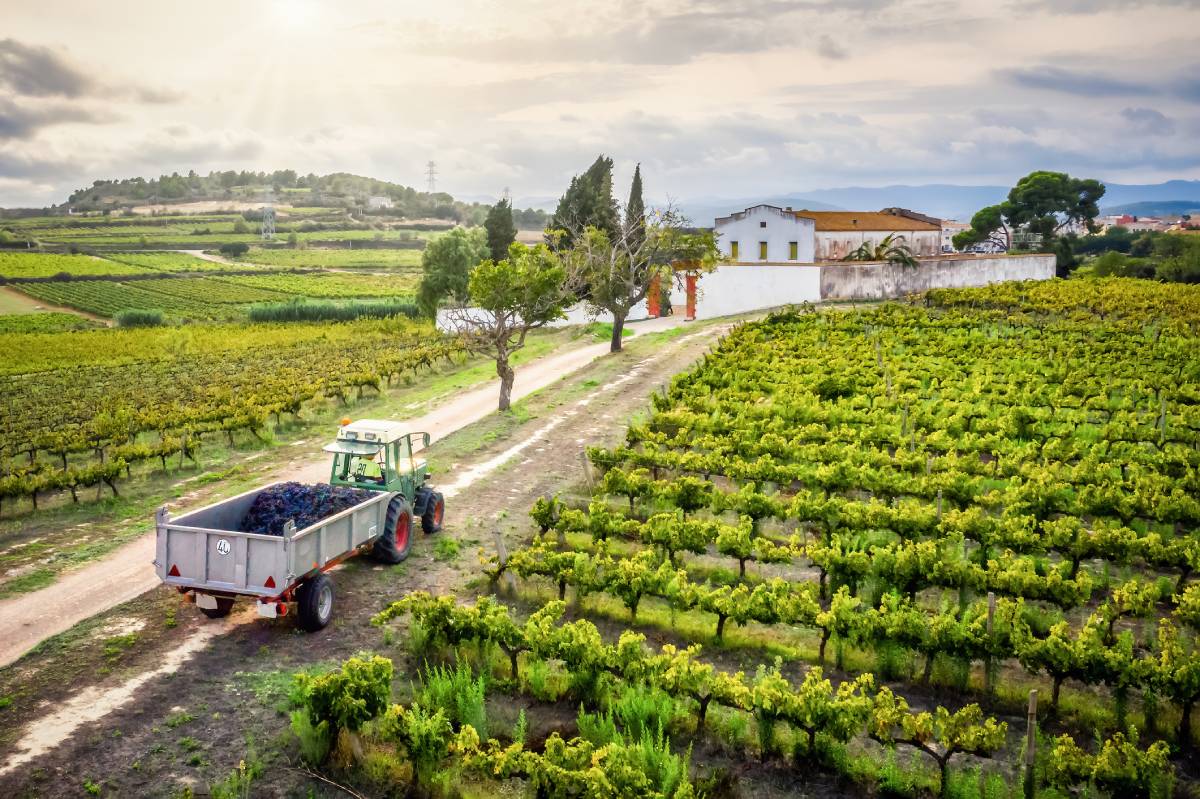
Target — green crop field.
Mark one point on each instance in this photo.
(108, 298)
(52, 322)
(331, 285)
(36, 265)
(336, 259)
(167, 261)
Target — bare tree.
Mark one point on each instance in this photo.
(509, 298)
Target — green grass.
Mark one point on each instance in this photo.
(30, 581)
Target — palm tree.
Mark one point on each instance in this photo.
(891, 249)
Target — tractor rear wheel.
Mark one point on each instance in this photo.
(393, 544)
(316, 602)
(435, 510)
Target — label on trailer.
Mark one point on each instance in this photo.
(223, 546)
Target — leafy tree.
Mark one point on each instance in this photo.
(510, 297)
(234, 249)
(588, 202)
(890, 248)
(1042, 203)
(501, 232)
(446, 266)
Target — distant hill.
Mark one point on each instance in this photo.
(284, 186)
(1156, 208)
(943, 200)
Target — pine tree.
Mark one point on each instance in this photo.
(501, 232)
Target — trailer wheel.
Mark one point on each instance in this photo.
(435, 510)
(393, 545)
(224, 606)
(316, 602)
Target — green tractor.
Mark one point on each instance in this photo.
(378, 455)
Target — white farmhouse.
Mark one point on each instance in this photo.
(768, 234)
(379, 203)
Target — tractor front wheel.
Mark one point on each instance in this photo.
(435, 510)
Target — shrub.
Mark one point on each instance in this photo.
(234, 249)
(642, 711)
(458, 693)
(139, 318)
(348, 698)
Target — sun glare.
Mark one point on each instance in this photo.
(297, 14)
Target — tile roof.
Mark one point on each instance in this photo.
(864, 220)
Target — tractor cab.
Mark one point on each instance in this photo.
(379, 456)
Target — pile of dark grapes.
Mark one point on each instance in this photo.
(303, 504)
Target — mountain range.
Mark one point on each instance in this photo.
(942, 200)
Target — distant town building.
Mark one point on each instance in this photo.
(769, 234)
(378, 203)
(950, 229)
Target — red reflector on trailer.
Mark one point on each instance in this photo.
(270, 583)
(174, 571)
(281, 609)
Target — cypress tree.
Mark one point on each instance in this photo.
(635, 211)
(501, 231)
(587, 202)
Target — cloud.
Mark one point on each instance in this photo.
(1075, 82)
(22, 121)
(1148, 121)
(828, 48)
(1095, 6)
(34, 71)
(40, 72)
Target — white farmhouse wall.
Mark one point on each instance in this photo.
(834, 245)
(877, 281)
(738, 288)
(776, 226)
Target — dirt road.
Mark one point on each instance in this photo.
(27, 619)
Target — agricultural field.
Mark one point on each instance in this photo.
(335, 259)
(16, 265)
(108, 298)
(167, 261)
(326, 285)
(847, 543)
(50, 322)
(82, 408)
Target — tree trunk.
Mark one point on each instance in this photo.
(507, 375)
(821, 651)
(1058, 681)
(1185, 725)
(944, 765)
(720, 625)
(618, 329)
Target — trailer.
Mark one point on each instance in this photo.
(206, 555)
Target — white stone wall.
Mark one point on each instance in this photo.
(776, 226)
(738, 288)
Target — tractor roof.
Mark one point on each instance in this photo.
(379, 430)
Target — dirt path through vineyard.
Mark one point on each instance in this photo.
(27, 619)
(191, 726)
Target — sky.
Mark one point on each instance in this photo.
(714, 99)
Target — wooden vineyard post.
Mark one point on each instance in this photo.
(587, 471)
(989, 677)
(1030, 744)
(509, 586)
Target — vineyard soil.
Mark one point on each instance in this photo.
(192, 727)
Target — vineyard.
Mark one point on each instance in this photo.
(857, 540)
(168, 261)
(335, 259)
(81, 409)
(108, 298)
(43, 323)
(330, 285)
(44, 265)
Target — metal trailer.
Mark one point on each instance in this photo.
(205, 556)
